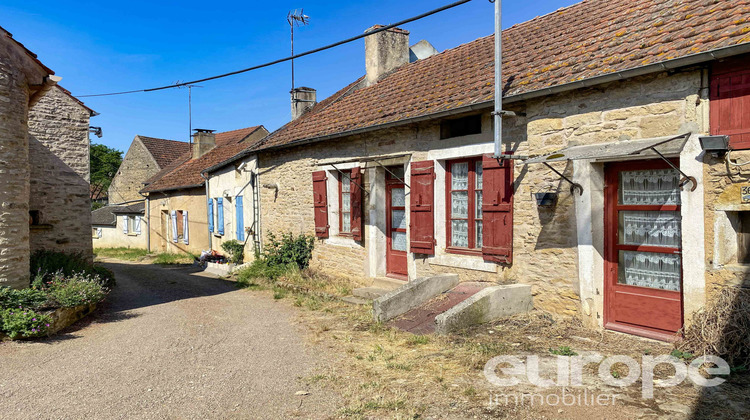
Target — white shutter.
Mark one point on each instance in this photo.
(99, 233)
(137, 225)
(125, 224)
(174, 226)
(185, 227)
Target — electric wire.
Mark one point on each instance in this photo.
(292, 57)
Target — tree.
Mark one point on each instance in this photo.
(105, 161)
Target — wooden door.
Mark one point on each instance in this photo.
(643, 241)
(395, 222)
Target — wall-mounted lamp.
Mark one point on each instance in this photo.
(96, 130)
(546, 199)
(715, 145)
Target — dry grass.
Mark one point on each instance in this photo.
(723, 328)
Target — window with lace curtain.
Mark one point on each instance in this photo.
(464, 207)
(345, 209)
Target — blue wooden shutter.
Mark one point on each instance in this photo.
(240, 218)
(220, 214)
(185, 227)
(211, 215)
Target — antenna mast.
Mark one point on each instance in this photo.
(190, 108)
(296, 18)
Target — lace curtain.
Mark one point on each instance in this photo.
(656, 228)
(650, 187)
(648, 269)
(460, 204)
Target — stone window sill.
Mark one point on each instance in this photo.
(468, 262)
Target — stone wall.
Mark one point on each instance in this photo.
(59, 162)
(137, 166)
(17, 72)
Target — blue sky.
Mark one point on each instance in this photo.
(101, 46)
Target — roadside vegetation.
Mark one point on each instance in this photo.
(58, 280)
(135, 254)
(389, 373)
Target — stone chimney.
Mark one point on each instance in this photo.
(303, 99)
(203, 142)
(385, 51)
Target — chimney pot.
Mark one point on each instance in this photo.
(303, 99)
(385, 51)
(203, 142)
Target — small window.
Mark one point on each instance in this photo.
(461, 127)
(131, 224)
(464, 207)
(345, 208)
(35, 218)
(95, 233)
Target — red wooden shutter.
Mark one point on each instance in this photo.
(497, 210)
(730, 107)
(356, 203)
(422, 197)
(320, 202)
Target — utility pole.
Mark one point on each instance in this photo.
(498, 114)
(296, 18)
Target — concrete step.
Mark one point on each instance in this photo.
(387, 283)
(369, 292)
(355, 300)
(421, 320)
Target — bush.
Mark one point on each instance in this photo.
(48, 263)
(235, 249)
(25, 298)
(289, 250)
(25, 323)
(260, 269)
(76, 290)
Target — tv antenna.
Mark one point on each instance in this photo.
(296, 18)
(190, 107)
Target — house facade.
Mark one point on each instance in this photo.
(177, 201)
(144, 159)
(395, 173)
(44, 187)
(119, 226)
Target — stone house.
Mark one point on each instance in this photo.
(119, 226)
(176, 197)
(395, 174)
(144, 159)
(44, 191)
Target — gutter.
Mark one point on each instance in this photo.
(184, 187)
(686, 61)
(47, 84)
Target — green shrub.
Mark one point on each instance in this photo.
(23, 323)
(235, 249)
(48, 263)
(289, 250)
(24, 298)
(76, 290)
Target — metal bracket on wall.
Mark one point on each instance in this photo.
(349, 174)
(573, 185)
(685, 177)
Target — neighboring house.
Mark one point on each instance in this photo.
(98, 195)
(176, 204)
(395, 175)
(119, 226)
(144, 159)
(44, 161)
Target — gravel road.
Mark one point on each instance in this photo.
(168, 343)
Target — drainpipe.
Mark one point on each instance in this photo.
(210, 242)
(498, 114)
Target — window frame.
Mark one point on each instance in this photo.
(472, 205)
(341, 204)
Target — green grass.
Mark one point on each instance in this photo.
(167, 258)
(128, 254)
(563, 351)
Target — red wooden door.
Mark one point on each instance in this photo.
(395, 223)
(643, 259)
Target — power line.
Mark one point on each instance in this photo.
(292, 57)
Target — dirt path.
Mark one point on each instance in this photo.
(168, 343)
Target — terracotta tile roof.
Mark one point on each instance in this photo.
(96, 192)
(589, 39)
(185, 172)
(165, 151)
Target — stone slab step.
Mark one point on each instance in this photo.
(355, 300)
(387, 283)
(421, 320)
(369, 292)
